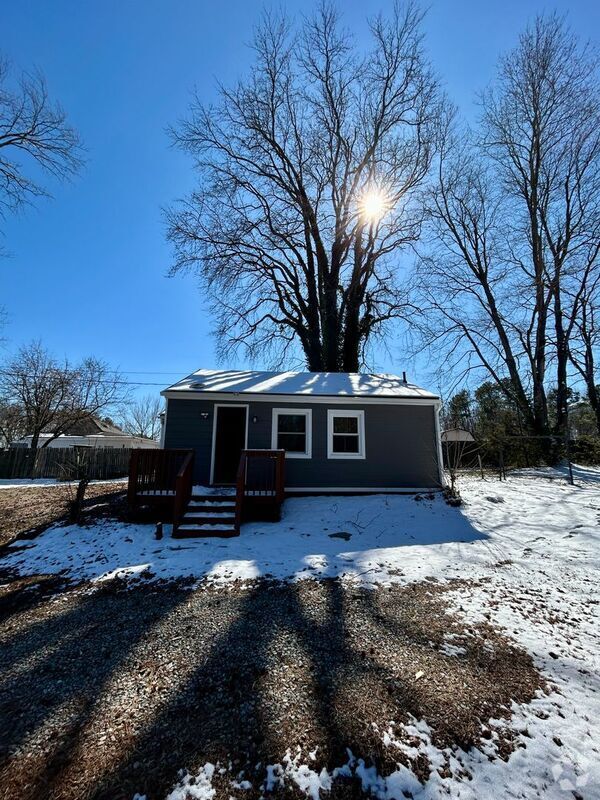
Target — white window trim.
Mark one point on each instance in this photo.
(307, 412)
(332, 413)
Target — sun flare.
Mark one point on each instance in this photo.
(373, 205)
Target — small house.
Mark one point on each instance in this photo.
(89, 432)
(341, 432)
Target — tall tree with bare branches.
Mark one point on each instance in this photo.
(515, 224)
(35, 138)
(309, 174)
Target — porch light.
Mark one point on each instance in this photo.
(255, 419)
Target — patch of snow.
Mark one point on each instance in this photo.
(560, 473)
(533, 561)
(195, 787)
(211, 490)
(535, 769)
(123, 573)
(307, 780)
(243, 785)
(452, 650)
(20, 483)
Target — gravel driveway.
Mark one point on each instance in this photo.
(111, 691)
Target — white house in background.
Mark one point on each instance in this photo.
(90, 433)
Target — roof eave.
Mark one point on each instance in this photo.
(264, 397)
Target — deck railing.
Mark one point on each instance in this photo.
(153, 473)
(260, 477)
(183, 489)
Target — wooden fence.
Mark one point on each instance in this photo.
(65, 463)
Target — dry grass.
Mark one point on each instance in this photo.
(110, 692)
(31, 509)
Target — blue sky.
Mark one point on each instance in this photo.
(88, 268)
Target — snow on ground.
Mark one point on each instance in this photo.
(367, 537)
(19, 483)
(374, 539)
(531, 546)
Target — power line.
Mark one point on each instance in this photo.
(141, 372)
(115, 382)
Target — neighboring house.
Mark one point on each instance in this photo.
(341, 432)
(90, 432)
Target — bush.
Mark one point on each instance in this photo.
(586, 450)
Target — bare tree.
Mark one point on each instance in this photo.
(309, 175)
(583, 346)
(12, 423)
(54, 395)
(515, 223)
(76, 475)
(34, 132)
(142, 417)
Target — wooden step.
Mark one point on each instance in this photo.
(210, 512)
(189, 530)
(213, 508)
(214, 498)
(227, 519)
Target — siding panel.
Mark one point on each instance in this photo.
(400, 441)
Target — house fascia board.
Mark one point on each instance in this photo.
(236, 397)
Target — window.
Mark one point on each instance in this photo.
(345, 434)
(292, 432)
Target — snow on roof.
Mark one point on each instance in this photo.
(325, 384)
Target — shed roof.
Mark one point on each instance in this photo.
(321, 384)
(89, 426)
(457, 435)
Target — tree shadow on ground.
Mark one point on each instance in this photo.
(162, 681)
(54, 671)
(26, 512)
(21, 593)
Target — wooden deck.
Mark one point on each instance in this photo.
(163, 481)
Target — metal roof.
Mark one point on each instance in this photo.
(306, 384)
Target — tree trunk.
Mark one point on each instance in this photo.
(562, 388)
(353, 306)
(520, 397)
(33, 453)
(352, 338)
(595, 404)
(532, 199)
(590, 383)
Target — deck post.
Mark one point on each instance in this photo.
(133, 476)
(279, 479)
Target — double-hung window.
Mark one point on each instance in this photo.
(345, 434)
(292, 432)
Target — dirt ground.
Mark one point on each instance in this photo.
(30, 509)
(111, 691)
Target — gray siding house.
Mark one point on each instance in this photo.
(341, 432)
